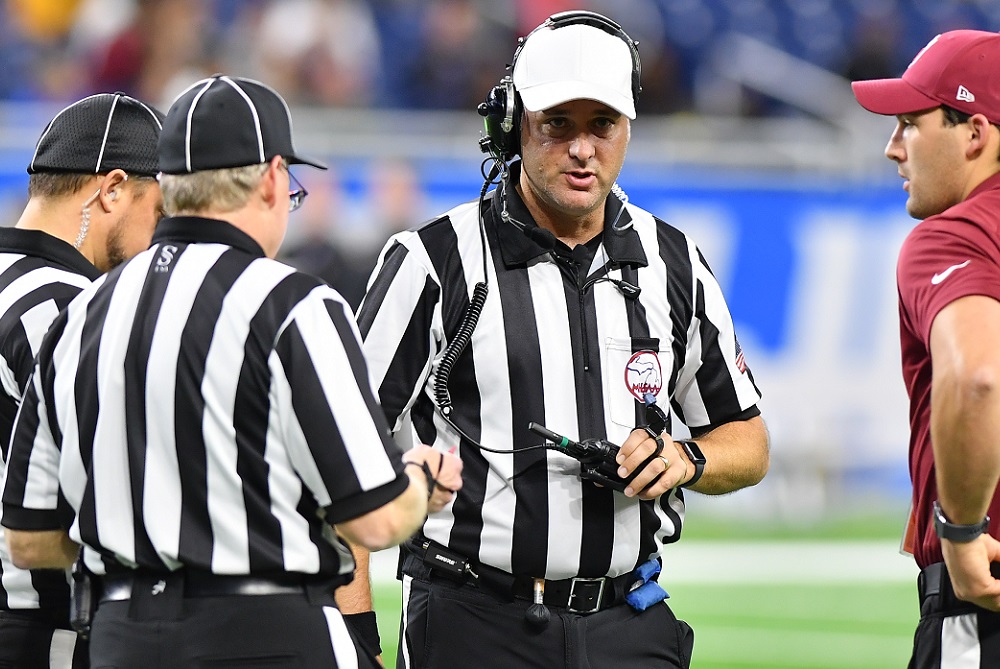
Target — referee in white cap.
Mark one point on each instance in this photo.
(203, 423)
(93, 201)
(553, 300)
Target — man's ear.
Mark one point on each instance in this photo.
(981, 134)
(269, 182)
(111, 189)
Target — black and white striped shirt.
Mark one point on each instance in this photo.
(557, 346)
(202, 406)
(39, 275)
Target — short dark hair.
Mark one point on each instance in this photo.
(56, 184)
(953, 117)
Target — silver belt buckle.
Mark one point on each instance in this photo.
(587, 584)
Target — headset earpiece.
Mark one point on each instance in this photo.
(501, 117)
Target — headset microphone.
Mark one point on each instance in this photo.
(540, 236)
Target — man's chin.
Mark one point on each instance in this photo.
(580, 202)
(921, 211)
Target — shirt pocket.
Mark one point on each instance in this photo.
(635, 366)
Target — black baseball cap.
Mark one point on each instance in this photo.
(98, 134)
(223, 122)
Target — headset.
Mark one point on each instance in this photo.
(501, 111)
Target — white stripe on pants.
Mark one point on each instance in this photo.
(407, 584)
(343, 645)
(61, 649)
(960, 642)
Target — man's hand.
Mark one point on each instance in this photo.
(446, 470)
(671, 466)
(969, 568)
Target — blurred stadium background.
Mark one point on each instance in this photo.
(748, 138)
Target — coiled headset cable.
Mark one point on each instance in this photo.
(499, 175)
(463, 335)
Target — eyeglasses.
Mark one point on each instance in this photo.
(297, 195)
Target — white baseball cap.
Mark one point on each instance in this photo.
(574, 62)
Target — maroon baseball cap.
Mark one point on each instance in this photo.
(957, 68)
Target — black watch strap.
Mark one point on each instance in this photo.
(697, 458)
(963, 534)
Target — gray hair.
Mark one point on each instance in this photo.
(223, 190)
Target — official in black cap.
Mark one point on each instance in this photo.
(93, 202)
(93, 148)
(204, 424)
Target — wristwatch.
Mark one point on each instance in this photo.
(697, 458)
(962, 534)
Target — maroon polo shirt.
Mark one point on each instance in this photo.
(944, 258)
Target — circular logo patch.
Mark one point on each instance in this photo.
(643, 374)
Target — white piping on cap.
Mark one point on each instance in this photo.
(253, 111)
(149, 111)
(190, 114)
(53, 122)
(288, 112)
(107, 131)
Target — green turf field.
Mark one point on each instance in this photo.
(826, 622)
(798, 626)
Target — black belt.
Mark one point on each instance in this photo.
(937, 594)
(119, 587)
(57, 618)
(577, 595)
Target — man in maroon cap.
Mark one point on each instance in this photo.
(946, 145)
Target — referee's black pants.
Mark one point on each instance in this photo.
(30, 640)
(171, 630)
(953, 634)
(448, 625)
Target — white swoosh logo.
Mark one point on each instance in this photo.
(938, 278)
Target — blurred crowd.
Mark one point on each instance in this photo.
(338, 237)
(430, 54)
(436, 54)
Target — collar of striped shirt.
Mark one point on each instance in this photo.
(621, 241)
(43, 245)
(197, 230)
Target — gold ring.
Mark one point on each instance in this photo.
(666, 463)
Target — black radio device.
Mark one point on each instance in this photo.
(597, 456)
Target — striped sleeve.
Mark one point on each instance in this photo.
(400, 323)
(31, 295)
(715, 384)
(336, 433)
(31, 495)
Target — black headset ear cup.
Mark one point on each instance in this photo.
(501, 114)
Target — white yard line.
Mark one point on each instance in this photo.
(792, 561)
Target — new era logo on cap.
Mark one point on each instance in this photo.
(224, 122)
(965, 95)
(100, 133)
